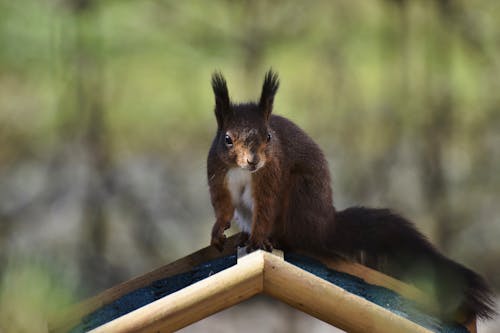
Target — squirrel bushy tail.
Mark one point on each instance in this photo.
(388, 242)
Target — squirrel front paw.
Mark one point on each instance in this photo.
(243, 239)
(259, 244)
(218, 240)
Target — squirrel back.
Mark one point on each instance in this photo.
(269, 176)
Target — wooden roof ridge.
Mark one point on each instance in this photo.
(255, 273)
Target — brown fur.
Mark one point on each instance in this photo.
(293, 203)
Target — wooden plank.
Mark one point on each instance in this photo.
(377, 278)
(329, 302)
(471, 326)
(195, 302)
(242, 252)
(228, 297)
(65, 321)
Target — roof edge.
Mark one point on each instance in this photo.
(195, 302)
(328, 302)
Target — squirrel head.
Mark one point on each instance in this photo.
(244, 138)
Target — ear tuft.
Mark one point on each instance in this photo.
(219, 87)
(269, 89)
(222, 102)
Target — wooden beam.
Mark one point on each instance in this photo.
(471, 325)
(255, 273)
(195, 302)
(377, 278)
(328, 302)
(68, 319)
(408, 291)
(235, 284)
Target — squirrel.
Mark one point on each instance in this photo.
(273, 180)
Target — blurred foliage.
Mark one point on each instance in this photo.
(106, 118)
(31, 292)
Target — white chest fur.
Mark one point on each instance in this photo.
(239, 183)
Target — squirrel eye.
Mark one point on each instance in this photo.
(228, 140)
(268, 137)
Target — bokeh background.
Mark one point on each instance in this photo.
(106, 116)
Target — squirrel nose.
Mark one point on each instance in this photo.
(253, 162)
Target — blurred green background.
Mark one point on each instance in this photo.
(106, 116)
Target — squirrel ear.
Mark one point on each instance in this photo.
(222, 103)
(269, 89)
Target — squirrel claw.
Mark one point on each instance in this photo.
(218, 242)
(260, 245)
(243, 239)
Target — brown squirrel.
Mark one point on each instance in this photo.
(273, 180)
